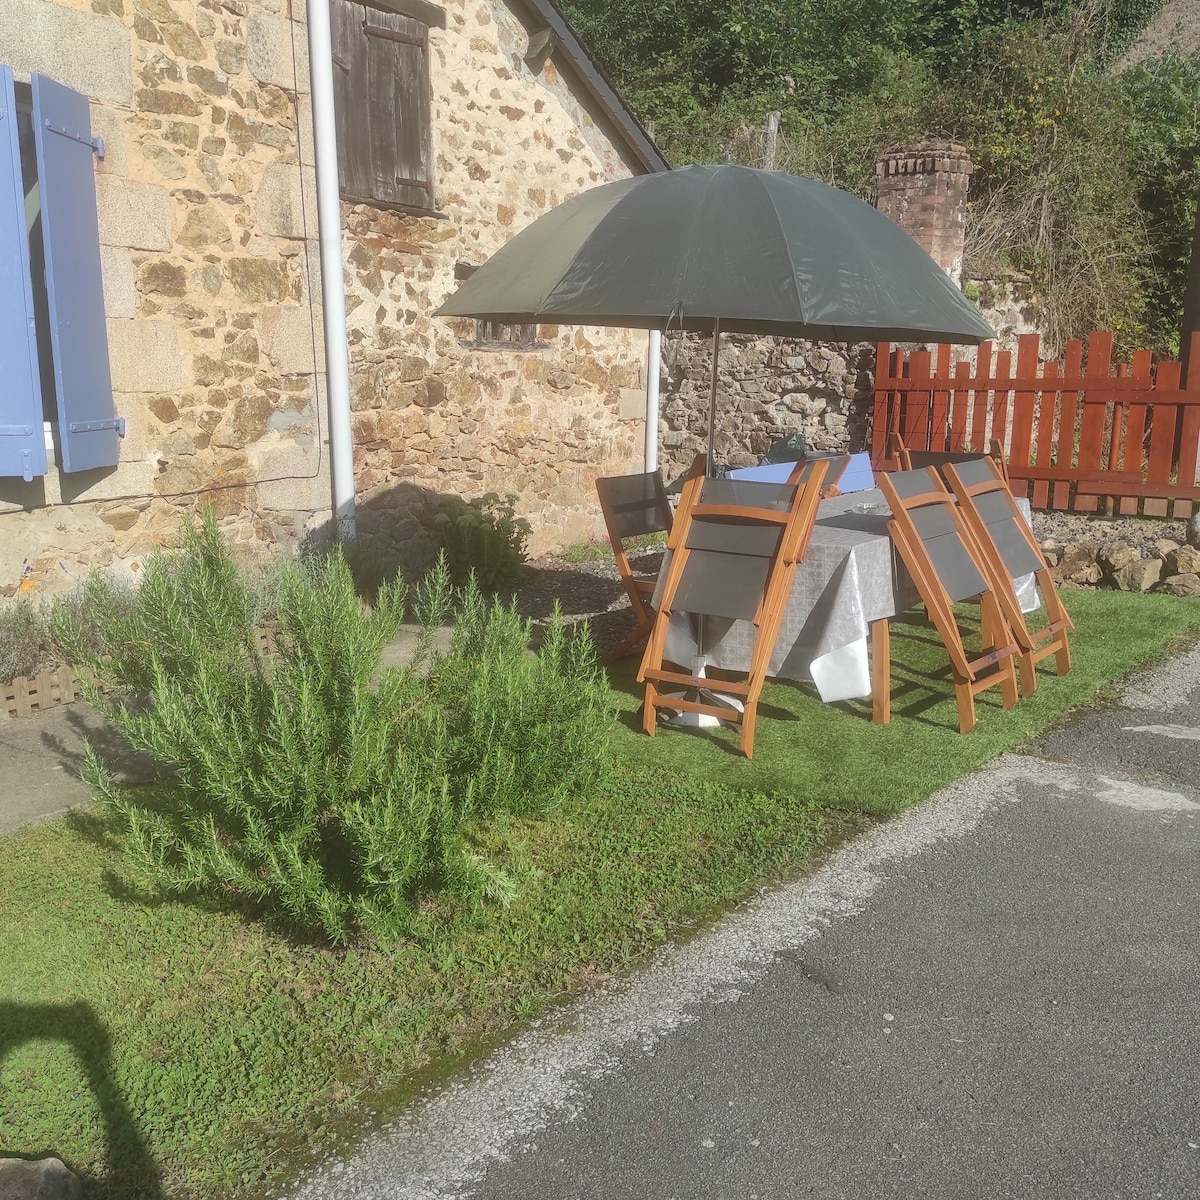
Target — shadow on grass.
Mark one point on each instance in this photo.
(130, 1170)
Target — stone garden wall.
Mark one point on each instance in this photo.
(768, 388)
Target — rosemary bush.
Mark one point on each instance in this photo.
(314, 785)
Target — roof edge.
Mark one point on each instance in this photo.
(602, 89)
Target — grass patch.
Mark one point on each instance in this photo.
(165, 1049)
(833, 754)
(600, 549)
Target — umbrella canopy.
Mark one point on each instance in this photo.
(734, 248)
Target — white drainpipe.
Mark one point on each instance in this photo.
(333, 283)
(653, 370)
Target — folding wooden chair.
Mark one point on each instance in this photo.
(1010, 551)
(937, 547)
(916, 460)
(634, 505)
(734, 550)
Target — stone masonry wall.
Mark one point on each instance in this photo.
(433, 412)
(767, 388)
(207, 266)
(207, 228)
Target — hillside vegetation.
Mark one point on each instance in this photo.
(1086, 169)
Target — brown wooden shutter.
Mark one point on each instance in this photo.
(381, 80)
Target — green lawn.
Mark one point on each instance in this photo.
(163, 1049)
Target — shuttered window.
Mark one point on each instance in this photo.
(381, 99)
(22, 446)
(51, 291)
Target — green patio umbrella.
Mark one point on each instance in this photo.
(719, 249)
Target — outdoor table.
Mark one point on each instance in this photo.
(849, 579)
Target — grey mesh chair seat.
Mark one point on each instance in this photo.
(1009, 553)
(734, 549)
(942, 556)
(633, 506)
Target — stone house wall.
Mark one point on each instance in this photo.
(433, 412)
(208, 277)
(206, 201)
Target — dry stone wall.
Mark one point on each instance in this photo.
(768, 388)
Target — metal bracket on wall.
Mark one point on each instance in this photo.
(117, 423)
(96, 143)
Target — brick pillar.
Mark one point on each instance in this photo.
(923, 188)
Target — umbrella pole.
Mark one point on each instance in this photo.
(712, 396)
(700, 662)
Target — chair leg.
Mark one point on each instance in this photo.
(966, 705)
(1008, 683)
(1029, 681)
(1062, 658)
(746, 740)
(881, 672)
(650, 709)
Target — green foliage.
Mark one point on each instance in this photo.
(1086, 176)
(313, 785)
(239, 1056)
(484, 538)
(26, 646)
(27, 641)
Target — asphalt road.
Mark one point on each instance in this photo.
(995, 995)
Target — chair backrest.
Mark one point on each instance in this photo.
(947, 565)
(734, 532)
(923, 507)
(916, 460)
(634, 505)
(990, 510)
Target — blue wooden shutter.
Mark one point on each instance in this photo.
(88, 424)
(22, 443)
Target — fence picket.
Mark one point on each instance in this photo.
(1044, 452)
(939, 419)
(979, 397)
(960, 405)
(1093, 417)
(885, 401)
(916, 407)
(1021, 442)
(1074, 436)
(1189, 434)
(1162, 439)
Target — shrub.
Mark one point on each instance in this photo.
(316, 786)
(483, 537)
(25, 643)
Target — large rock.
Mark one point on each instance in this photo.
(1183, 561)
(46, 1179)
(1180, 585)
(1116, 557)
(1193, 531)
(1139, 576)
(1078, 564)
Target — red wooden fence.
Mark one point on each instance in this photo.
(1075, 436)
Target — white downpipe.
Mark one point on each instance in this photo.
(653, 373)
(333, 283)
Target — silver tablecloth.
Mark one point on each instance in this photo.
(849, 578)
